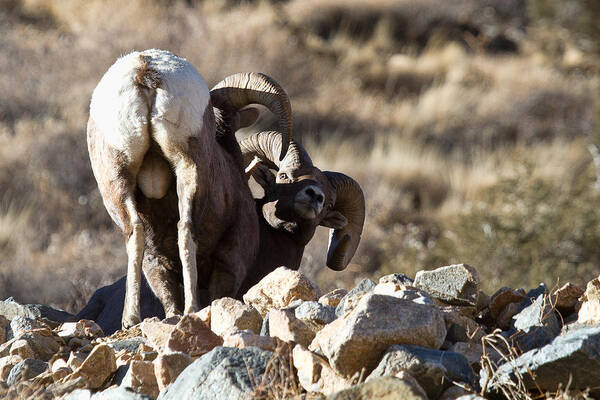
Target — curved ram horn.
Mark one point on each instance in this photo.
(350, 202)
(244, 88)
(268, 144)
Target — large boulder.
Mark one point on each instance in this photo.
(360, 338)
(280, 288)
(225, 373)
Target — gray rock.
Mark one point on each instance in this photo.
(11, 309)
(314, 314)
(26, 369)
(19, 325)
(535, 326)
(456, 284)
(364, 286)
(223, 373)
(131, 344)
(574, 358)
(120, 393)
(433, 369)
(360, 338)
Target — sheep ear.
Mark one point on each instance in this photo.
(263, 176)
(245, 117)
(334, 220)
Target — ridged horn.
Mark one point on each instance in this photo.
(266, 145)
(350, 202)
(244, 88)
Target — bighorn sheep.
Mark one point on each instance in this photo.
(298, 199)
(177, 195)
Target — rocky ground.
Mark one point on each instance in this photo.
(435, 337)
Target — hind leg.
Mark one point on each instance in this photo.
(135, 254)
(164, 283)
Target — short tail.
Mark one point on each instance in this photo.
(146, 76)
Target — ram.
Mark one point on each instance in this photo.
(170, 182)
(297, 199)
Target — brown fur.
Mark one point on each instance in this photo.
(146, 76)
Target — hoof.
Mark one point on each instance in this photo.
(129, 321)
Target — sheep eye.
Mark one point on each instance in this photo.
(283, 176)
(329, 206)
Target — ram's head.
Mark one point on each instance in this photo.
(299, 196)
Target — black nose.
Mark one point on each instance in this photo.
(314, 196)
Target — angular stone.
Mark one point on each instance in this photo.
(503, 297)
(22, 349)
(573, 358)
(284, 325)
(157, 332)
(504, 320)
(315, 315)
(567, 296)
(20, 325)
(10, 309)
(246, 338)
(125, 357)
(227, 313)
(351, 299)
(6, 364)
(315, 374)
(456, 284)
(382, 388)
(279, 289)
(535, 326)
(167, 367)
(43, 344)
(82, 328)
(589, 313)
(401, 280)
(360, 338)
(472, 351)
(140, 377)
(76, 359)
(26, 369)
(224, 373)
(333, 298)
(433, 369)
(131, 344)
(192, 336)
(472, 330)
(99, 365)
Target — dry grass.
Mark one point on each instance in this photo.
(436, 109)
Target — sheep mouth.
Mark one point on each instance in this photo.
(306, 210)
